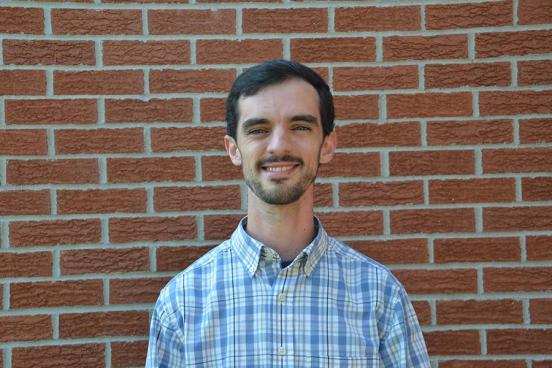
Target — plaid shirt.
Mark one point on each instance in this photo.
(331, 307)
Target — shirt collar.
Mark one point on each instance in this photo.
(250, 250)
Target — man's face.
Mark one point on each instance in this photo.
(280, 141)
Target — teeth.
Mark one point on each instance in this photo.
(278, 169)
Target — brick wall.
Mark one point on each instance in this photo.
(113, 172)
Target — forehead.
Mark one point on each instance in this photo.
(280, 101)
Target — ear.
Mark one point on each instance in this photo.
(328, 148)
(233, 150)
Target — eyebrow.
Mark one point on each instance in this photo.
(307, 118)
(252, 122)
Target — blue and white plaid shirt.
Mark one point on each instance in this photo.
(331, 307)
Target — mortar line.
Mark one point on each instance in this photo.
(193, 58)
(286, 45)
(514, 75)
(56, 263)
(99, 53)
(104, 225)
(515, 15)
(335, 194)
(423, 133)
(153, 258)
(198, 169)
(51, 142)
(331, 19)
(471, 46)
(2, 114)
(515, 125)
(239, 21)
(384, 163)
(102, 165)
(196, 110)
(145, 21)
(200, 221)
(105, 283)
(386, 222)
(55, 326)
(146, 81)
(5, 234)
(150, 205)
(475, 103)
(49, 82)
(3, 172)
(523, 246)
(47, 21)
(53, 202)
(147, 142)
(101, 110)
(478, 220)
(6, 296)
(379, 48)
(526, 312)
(107, 354)
(519, 189)
(483, 341)
(478, 164)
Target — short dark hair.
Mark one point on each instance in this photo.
(273, 72)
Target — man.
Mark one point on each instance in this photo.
(281, 292)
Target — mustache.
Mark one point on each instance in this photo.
(274, 159)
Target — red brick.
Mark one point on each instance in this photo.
(74, 141)
(537, 189)
(147, 1)
(427, 221)
(25, 328)
(453, 342)
(375, 78)
(49, 111)
(425, 47)
(431, 163)
(356, 107)
(125, 354)
(219, 168)
(438, 281)
(482, 364)
(469, 132)
(541, 310)
(519, 341)
(423, 312)
(541, 364)
(316, 50)
(101, 201)
(124, 323)
(21, 20)
(361, 223)
(178, 258)
(23, 142)
(517, 218)
(213, 109)
(46, 52)
(25, 202)
(104, 82)
(77, 262)
(513, 43)
(189, 81)
(56, 294)
(487, 14)
(352, 165)
(146, 53)
(285, 20)
(472, 75)
(517, 160)
(538, 248)
(96, 22)
(126, 230)
(220, 227)
(517, 279)
(398, 251)
(323, 195)
(60, 232)
(515, 102)
(472, 190)
(187, 139)
(197, 198)
(477, 250)
(82, 356)
(379, 135)
(237, 51)
(534, 72)
(377, 19)
(459, 312)
(175, 110)
(151, 169)
(192, 21)
(143, 290)
(535, 131)
(534, 12)
(427, 105)
(381, 193)
(52, 172)
(26, 264)
(22, 82)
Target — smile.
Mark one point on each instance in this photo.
(279, 168)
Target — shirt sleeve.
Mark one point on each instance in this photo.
(403, 345)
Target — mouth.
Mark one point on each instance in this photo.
(279, 170)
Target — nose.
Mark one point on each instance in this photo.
(280, 142)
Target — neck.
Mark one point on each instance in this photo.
(287, 229)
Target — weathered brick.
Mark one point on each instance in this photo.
(517, 160)
(512, 43)
(21, 20)
(519, 341)
(486, 14)
(126, 230)
(28, 172)
(471, 75)
(541, 310)
(220, 227)
(49, 52)
(298, 20)
(361, 223)
(177, 110)
(187, 139)
(143, 290)
(23, 142)
(537, 189)
(458, 312)
(517, 218)
(541, 364)
(431, 163)
(204, 80)
(477, 250)
(151, 169)
(76, 262)
(56, 294)
(146, 52)
(123, 323)
(538, 248)
(219, 168)
(534, 12)
(178, 258)
(82, 356)
(427, 221)
(222, 21)
(125, 354)
(212, 109)
(381, 193)
(515, 102)
(75, 141)
(535, 131)
(377, 19)
(237, 51)
(397, 251)
(323, 195)
(482, 364)
(470, 132)
(438, 281)
(423, 312)
(59, 232)
(22, 82)
(197, 198)
(25, 202)
(359, 107)
(427, 105)
(375, 78)
(101, 201)
(534, 72)
(465, 342)
(96, 22)
(425, 47)
(25, 328)
(472, 190)
(379, 135)
(352, 165)
(316, 50)
(26, 264)
(103, 82)
(49, 111)
(510, 279)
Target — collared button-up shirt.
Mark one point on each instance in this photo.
(331, 307)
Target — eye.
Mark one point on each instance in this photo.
(256, 131)
(302, 128)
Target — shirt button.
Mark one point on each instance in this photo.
(281, 297)
(281, 350)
